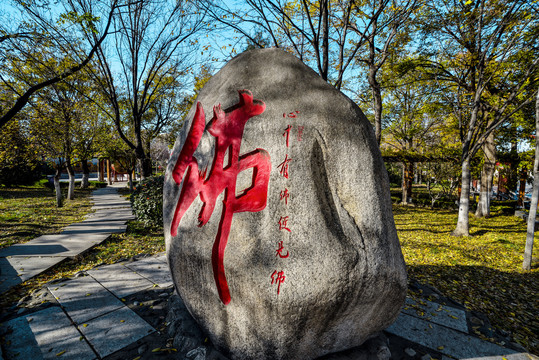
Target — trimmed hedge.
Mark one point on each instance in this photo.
(147, 201)
(65, 184)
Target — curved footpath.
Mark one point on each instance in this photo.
(21, 262)
(129, 310)
(84, 317)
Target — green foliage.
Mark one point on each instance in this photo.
(506, 207)
(395, 174)
(65, 184)
(420, 197)
(87, 21)
(18, 161)
(97, 184)
(41, 183)
(147, 201)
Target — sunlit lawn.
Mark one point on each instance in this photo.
(27, 212)
(482, 271)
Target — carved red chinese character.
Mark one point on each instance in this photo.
(300, 132)
(283, 167)
(280, 251)
(284, 195)
(227, 127)
(287, 134)
(282, 223)
(291, 115)
(277, 278)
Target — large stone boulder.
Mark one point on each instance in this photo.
(277, 214)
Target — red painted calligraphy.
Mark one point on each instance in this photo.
(227, 127)
(287, 134)
(284, 195)
(277, 278)
(283, 167)
(291, 114)
(280, 251)
(282, 223)
(300, 133)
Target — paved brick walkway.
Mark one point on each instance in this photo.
(92, 320)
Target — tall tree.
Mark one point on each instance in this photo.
(55, 112)
(487, 176)
(528, 250)
(61, 119)
(382, 27)
(153, 46)
(416, 116)
(35, 27)
(475, 46)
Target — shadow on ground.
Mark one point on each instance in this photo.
(508, 299)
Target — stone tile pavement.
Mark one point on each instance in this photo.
(19, 263)
(91, 321)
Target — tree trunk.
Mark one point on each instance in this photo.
(57, 189)
(463, 223)
(109, 180)
(101, 170)
(528, 249)
(85, 175)
(145, 165)
(130, 177)
(324, 8)
(522, 186)
(377, 104)
(407, 174)
(71, 189)
(487, 177)
(514, 163)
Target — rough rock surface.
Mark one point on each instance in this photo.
(283, 244)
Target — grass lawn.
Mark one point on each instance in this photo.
(482, 271)
(27, 212)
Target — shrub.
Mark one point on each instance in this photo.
(43, 183)
(147, 201)
(394, 172)
(97, 184)
(19, 164)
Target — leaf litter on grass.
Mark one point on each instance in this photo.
(27, 212)
(483, 271)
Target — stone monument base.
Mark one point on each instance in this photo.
(191, 342)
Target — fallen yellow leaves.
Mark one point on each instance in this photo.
(481, 271)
